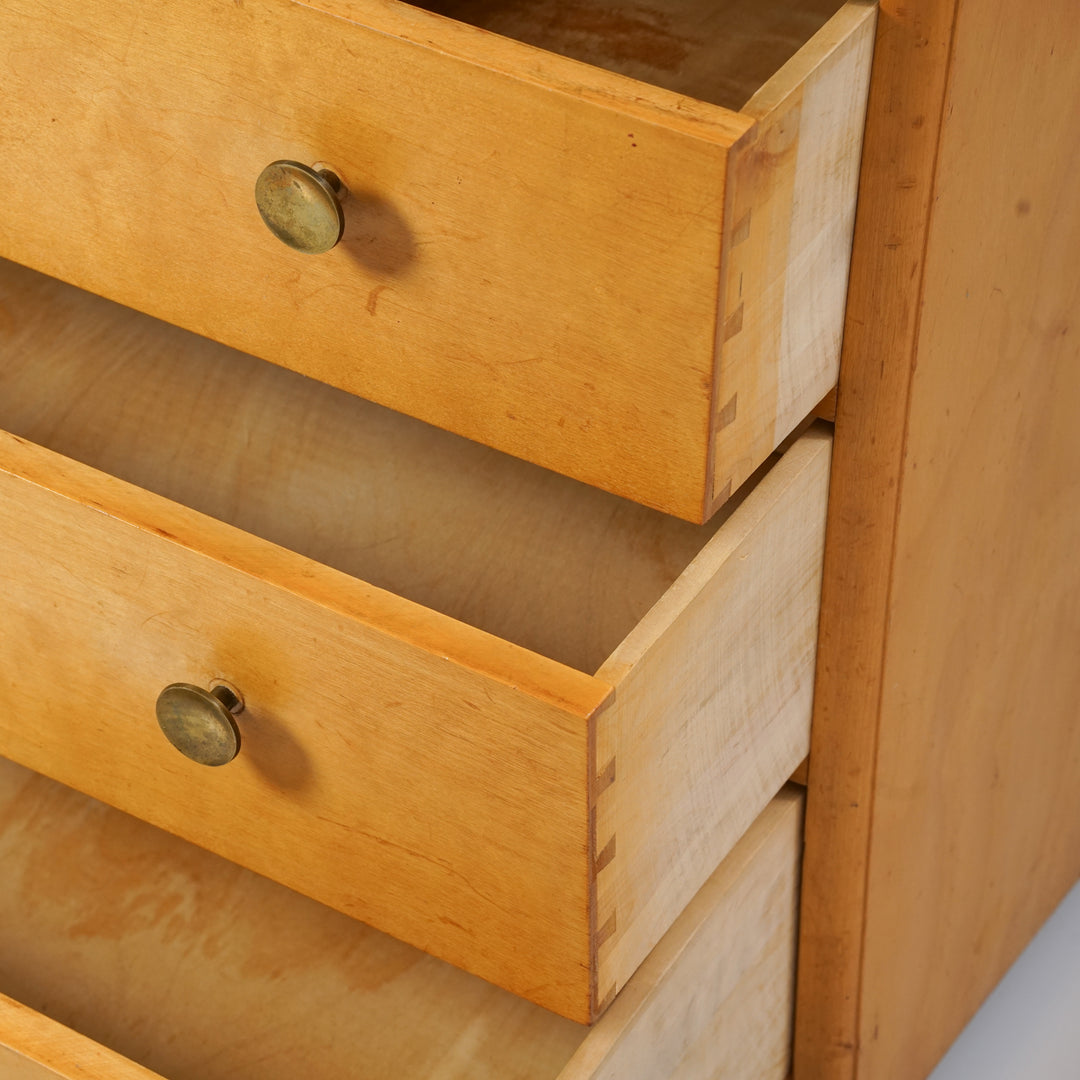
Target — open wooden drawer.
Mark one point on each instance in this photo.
(172, 958)
(504, 716)
(631, 271)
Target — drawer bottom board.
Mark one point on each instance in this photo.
(169, 956)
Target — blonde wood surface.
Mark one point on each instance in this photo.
(711, 706)
(791, 209)
(555, 295)
(715, 998)
(343, 679)
(195, 968)
(993, 842)
(944, 816)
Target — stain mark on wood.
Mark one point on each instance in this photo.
(373, 298)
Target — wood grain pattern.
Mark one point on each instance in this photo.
(721, 52)
(34, 1047)
(980, 709)
(178, 960)
(532, 251)
(791, 209)
(943, 817)
(716, 996)
(700, 683)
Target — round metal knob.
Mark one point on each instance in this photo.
(301, 205)
(199, 723)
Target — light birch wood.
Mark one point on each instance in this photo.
(791, 209)
(532, 251)
(715, 998)
(173, 958)
(353, 692)
(980, 708)
(199, 970)
(944, 805)
(903, 119)
(711, 707)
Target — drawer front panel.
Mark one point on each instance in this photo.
(534, 268)
(403, 788)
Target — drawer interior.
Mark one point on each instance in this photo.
(719, 51)
(200, 970)
(550, 564)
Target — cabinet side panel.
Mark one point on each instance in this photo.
(976, 831)
(943, 816)
(907, 89)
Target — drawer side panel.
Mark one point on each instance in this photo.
(792, 185)
(34, 1047)
(711, 714)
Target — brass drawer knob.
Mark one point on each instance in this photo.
(199, 723)
(301, 205)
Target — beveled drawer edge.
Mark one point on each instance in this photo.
(49, 1048)
(837, 33)
(548, 681)
(527, 63)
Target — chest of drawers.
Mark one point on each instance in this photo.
(967, 219)
(604, 878)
